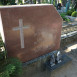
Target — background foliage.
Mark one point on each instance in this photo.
(69, 12)
(74, 14)
(63, 15)
(7, 2)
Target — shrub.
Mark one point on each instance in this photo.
(63, 15)
(9, 67)
(74, 14)
(69, 12)
(7, 70)
(34, 1)
(2, 55)
(1, 42)
(7, 2)
(18, 67)
(11, 2)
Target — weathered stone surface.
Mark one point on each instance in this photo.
(30, 31)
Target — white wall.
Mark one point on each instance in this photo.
(1, 29)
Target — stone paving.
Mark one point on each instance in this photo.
(69, 23)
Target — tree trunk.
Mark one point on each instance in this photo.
(16, 1)
(23, 1)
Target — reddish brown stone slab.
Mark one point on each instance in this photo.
(42, 35)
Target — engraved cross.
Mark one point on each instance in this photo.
(21, 27)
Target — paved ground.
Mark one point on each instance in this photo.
(69, 29)
(69, 23)
(68, 70)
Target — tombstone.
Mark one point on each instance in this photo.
(30, 31)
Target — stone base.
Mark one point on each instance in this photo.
(65, 59)
(38, 66)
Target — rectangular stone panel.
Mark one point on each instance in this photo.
(30, 31)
